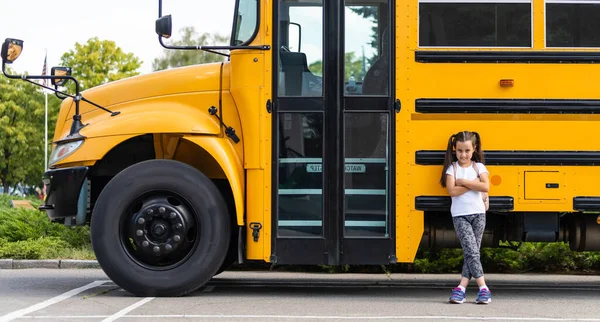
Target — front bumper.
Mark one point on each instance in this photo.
(66, 193)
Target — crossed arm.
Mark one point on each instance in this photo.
(459, 186)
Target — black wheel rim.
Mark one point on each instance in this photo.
(159, 230)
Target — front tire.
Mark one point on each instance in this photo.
(160, 228)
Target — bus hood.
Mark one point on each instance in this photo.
(190, 79)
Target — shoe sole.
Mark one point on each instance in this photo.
(484, 302)
(457, 302)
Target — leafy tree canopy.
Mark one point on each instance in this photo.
(22, 132)
(99, 61)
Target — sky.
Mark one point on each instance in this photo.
(56, 25)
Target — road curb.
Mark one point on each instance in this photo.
(28, 263)
(71, 264)
(47, 263)
(6, 263)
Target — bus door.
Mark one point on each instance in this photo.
(333, 128)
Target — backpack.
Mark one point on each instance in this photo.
(484, 195)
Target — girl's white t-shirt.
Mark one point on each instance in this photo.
(470, 202)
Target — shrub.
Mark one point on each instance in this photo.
(43, 247)
(23, 224)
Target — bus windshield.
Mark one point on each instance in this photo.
(245, 22)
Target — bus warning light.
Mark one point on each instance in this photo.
(507, 82)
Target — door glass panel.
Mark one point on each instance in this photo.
(366, 176)
(367, 50)
(300, 174)
(301, 48)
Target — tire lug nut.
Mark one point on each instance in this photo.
(161, 210)
(172, 215)
(156, 249)
(141, 221)
(145, 243)
(176, 238)
(168, 247)
(139, 232)
(150, 211)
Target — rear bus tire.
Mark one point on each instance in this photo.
(160, 228)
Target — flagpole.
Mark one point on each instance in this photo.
(46, 132)
(45, 120)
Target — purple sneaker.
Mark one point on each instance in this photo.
(484, 296)
(458, 296)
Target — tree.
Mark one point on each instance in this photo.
(98, 62)
(352, 66)
(21, 132)
(189, 37)
(370, 12)
(316, 68)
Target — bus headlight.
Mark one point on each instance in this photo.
(63, 150)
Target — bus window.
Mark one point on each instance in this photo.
(245, 22)
(301, 48)
(572, 24)
(367, 55)
(446, 23)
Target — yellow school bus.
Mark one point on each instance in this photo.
(320, 139)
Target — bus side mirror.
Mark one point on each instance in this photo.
(11, 50)
(164, 26)
(60, 71)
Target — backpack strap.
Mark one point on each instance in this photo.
(476, 167)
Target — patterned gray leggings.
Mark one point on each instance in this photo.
(469, 230)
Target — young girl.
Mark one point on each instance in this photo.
(467, 181)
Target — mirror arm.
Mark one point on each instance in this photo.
(76, 125)
(100, 107)
(260, 47)
(73, 96)
(213, 49)
(160, 40)
(50, 88)
(7, 74)
(216, 52)
(59, 93)
(28, 78)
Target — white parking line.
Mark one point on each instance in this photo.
(342, 317)
(51, 317)
(128, 309)
(54, 300)
(311, 317)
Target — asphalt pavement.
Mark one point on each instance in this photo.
(88, 295)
